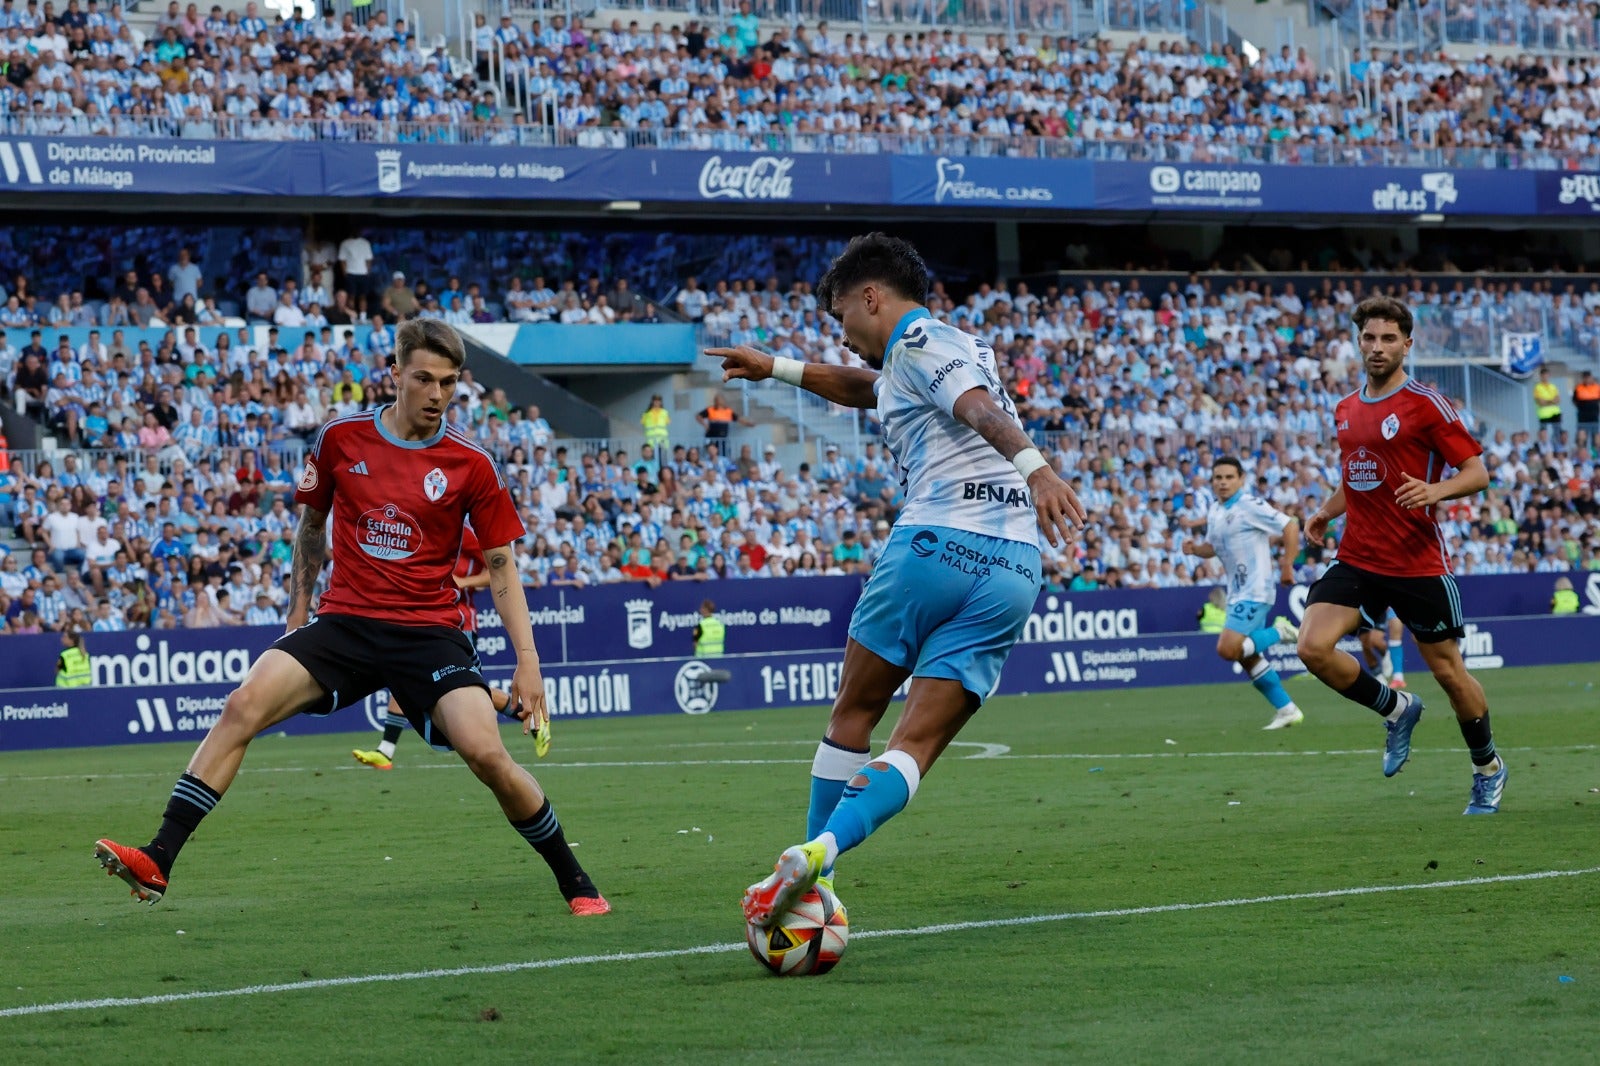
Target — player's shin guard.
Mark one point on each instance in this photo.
(833, 765)
(192, 799)
(1480, 743)
(1370, 692)
(879, 792)
(1267, 682)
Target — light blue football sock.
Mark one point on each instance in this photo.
(882, 793)
(1260, 641)
(1397, 657)
(833, 765)
(1267, 682)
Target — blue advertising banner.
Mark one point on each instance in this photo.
(1561, 193)
(973, 181)
(1311, 190)
(631, 621)
(507, 172)
(488, 172)
(59, 718)
(167, 167)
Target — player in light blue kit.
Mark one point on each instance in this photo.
(1239, 531)
(952, 589)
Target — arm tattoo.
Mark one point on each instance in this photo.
(992, 425)
(498, 561)
(310, 550)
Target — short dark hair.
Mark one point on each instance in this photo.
(875, 257)
(429, 335)
(1383, 307)
(1228, 460)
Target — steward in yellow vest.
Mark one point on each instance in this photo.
(709, 634)
(1565, 601)
(73, 668)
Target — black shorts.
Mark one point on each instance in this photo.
(353, 657)
(1429, 606)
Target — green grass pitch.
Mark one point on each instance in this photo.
(394, 917)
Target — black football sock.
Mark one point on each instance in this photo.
(1480, 740)
(543, 831)
(1370, 692)
(192, 799)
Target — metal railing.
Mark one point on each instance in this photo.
(1076, 18)
(1496, 400)
(528, 134)
(1562, 27)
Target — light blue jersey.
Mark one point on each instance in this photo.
(952, 590)
(952, 477)
(1240, 530)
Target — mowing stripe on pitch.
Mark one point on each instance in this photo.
(719, 949)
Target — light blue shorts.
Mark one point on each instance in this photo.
(947, 603)
(1247, 616)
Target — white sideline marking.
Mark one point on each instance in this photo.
(990, 751)
(719, 949)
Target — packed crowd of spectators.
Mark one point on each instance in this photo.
(745, 84)
(81, 70)
(117, 277)
(184, 517)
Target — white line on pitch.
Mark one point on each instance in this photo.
(718, 949)
(991, 751)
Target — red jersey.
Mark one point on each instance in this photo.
(468, 563)
(1414, 431)
(398, 511)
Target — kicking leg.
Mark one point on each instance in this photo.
(936, 709)
(866, 686)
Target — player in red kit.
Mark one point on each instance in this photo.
(400, 487)
(1396, 440)
(469, 576)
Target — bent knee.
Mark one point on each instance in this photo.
(487, 761)
(1314, 648)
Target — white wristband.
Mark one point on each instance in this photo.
(787, 370)
(1027, 461)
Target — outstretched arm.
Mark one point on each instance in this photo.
(310, 552)
(1199, 548)
(848, 386)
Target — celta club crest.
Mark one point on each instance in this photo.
(1391, 426)
(434, 484)
(641, 634)
(388, 170)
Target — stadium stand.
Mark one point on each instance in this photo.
(1025, 83)
(174, 486)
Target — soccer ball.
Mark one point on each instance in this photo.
(808, 940)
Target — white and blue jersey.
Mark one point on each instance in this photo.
(951, 475)
(951, 591)
(1240, 529)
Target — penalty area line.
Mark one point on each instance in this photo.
(720, 949)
